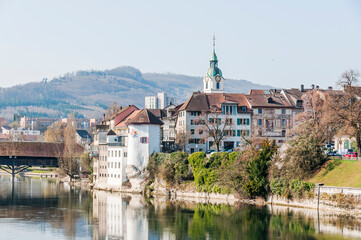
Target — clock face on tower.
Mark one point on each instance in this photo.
(218, 78)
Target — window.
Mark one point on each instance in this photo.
(116, 153)
(260, 110)
(259, 122)
(283, 122)
(125, 154)
(192, 122)
(206, 85)
(244, 109)
(118, 164)
(217, 85)
(192, 131)
(200, 131)
(143, 140)
(283, 111)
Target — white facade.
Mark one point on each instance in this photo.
(117, 160)
(197, 139)
(158, 102)
(213, 84)
(151, 102)
(143, 140)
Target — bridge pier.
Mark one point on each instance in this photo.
(13, 169)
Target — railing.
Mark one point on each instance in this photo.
(117, 144)
(345, 158)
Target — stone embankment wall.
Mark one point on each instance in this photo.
(327, 198)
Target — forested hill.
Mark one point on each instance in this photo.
(88, 93)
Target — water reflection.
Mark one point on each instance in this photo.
(45, 209)
(123, 216)
(38, 208)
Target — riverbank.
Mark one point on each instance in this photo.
(43, 173)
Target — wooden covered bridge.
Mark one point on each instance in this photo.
(15, 157)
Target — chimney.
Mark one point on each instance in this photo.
(317, 87)
(302, 88)
(330, 88)
(313, 86)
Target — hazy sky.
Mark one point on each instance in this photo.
(281, 43)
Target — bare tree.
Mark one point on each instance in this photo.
(345, 106)
(69, 158)
(55, 133)
(181, 139)
(216, 127)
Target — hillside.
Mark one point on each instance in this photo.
(88, 93)
(340, 173)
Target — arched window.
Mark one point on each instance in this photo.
(217, 85)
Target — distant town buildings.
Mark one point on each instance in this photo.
(158, 102)
(42, 123)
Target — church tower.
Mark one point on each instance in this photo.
(213, 81)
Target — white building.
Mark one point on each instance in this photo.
(160, 101)
(117, 159)
(143, 138)
(137, 137)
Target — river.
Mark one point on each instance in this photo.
(36, 208)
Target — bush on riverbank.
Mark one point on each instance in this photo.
(174, 167)
(294, 188)
(244, 173)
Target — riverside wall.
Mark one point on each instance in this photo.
(327, 198)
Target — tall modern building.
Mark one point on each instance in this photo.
(158, 102)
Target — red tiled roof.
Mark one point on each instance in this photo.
(205, 101)
(123, 113)
(123, 123)
(144, 117)
(276, 100)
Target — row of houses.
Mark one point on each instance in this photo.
(124, 141)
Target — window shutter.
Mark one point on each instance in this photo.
(238, 121)
(247, 132)
(247, 121)
(238, 133)
(147, 139)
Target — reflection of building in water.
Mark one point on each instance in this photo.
(100, 214)
(119, 217)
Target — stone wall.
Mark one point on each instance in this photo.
(338, 199)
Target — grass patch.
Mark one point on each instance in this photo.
(340, 173)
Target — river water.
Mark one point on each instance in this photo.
(35, 208)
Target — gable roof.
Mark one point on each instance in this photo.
(144, 117)
(83, 134)
(207, 101)
(123, 123)
(111, 133)
(123, 113)
(159, 113)
(275, 100)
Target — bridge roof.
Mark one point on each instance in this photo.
(35, 149)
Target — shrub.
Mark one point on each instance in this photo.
(293, 188)
(257, 171)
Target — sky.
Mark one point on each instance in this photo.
(280, 43)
